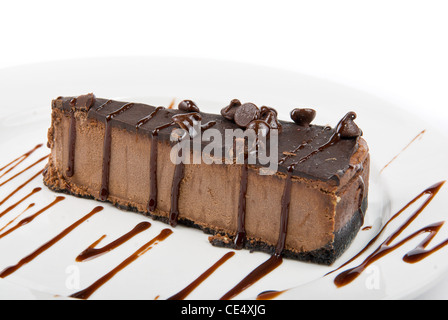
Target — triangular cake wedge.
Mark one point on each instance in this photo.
(309, 208)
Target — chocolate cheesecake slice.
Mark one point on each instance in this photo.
(309, 207)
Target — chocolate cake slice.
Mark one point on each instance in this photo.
(309, 207)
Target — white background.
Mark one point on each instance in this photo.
(396, 49)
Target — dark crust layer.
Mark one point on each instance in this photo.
(326, 255)
(328, 166)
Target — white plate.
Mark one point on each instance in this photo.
(174, 263)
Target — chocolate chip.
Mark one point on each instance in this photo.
(347, 128)
(265, 110)
(260, 127)
(245, 114)
(188, 106)
(303, 117)
(229, 111)
(270, 116)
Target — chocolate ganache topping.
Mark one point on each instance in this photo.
(293, 145)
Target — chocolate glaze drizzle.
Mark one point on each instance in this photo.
(71, 150)
(298, 148)
(148, 117)
(71, 141)
(152, 204)
(241, 232)
(175, 192)
(335, 138)
(104, 193)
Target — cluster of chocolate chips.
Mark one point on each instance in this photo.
(347, 128)
(264, 119)
(249, 116)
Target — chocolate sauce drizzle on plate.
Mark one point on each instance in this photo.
(269, 295)
(34, 191)
(13, 164)
(387, 246)
(92, 252)
(87, 292)
(8, 271)
(190, 288)
(31, 205)
(24, 170)
(30, 218)
(419, 136)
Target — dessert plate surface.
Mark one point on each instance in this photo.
(406, 160)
